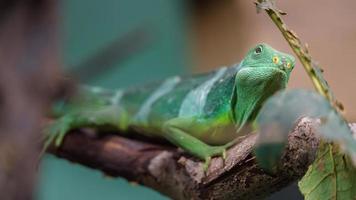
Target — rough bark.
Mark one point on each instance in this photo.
(180, 176)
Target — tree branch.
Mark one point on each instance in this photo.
(180, 176)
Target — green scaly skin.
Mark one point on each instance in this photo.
(201, 114)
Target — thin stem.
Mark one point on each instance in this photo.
(313, 71)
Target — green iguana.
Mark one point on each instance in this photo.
(201, 114)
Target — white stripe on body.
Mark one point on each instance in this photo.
(96, 89)
(115, 100)
(163, 89)
(194, 102)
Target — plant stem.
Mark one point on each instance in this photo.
(314, 72)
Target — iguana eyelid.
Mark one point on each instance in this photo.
(258, 50)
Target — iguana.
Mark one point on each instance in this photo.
(202, 114)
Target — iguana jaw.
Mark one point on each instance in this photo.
(253, 86)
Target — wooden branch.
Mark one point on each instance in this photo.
(180, 176)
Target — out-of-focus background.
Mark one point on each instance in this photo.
(158, 38)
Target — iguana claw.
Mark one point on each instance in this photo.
(224, 155)
(56, 131)
(206, 163)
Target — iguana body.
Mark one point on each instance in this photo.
(202, 114)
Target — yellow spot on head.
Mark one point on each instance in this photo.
(275, 59)
(289, 65)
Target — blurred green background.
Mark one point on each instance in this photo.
(88, 26)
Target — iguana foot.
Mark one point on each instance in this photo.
(206, 164)
(214, 151)
(56, 131)
(224, 155)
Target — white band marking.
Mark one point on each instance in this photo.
(194, 102)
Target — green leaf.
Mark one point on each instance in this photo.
(279, 114)
(330, 177)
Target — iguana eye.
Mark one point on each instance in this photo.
(289, 65)
(258, 50)
(275, 59)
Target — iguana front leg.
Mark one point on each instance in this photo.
(175, 132)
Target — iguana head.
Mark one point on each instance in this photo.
(263, 61)
(263, 71)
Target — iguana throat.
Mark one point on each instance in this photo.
(263, 72)
(253, 89)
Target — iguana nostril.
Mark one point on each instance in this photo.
(284, 61)
(284, 64)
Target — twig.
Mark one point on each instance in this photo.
(310, 66)
(179, 176)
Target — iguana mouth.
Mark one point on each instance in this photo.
(281, 68)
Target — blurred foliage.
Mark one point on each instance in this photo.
(280, 113)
